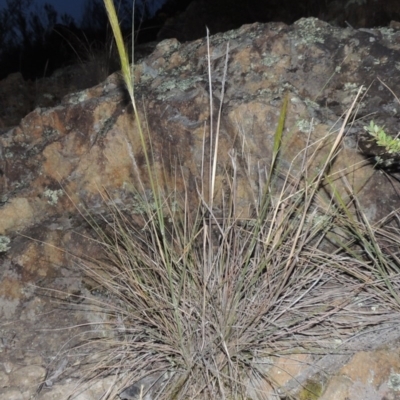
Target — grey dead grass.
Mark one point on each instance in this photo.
(199, 299)
(198, 296)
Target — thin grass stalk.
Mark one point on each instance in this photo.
(129, 83)
(369, 243)
(128, 79)
(265, 202)
(211, 179)
(215, 157)
(290, 264)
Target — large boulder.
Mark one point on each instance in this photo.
(63, 158)
(88, 140)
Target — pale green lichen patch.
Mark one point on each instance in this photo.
(309, 31)
(387, 33)
(230, 35)
(53, 196)
(305, 126)
(173, 84)
(350, 87)
(312, 390)
(8, 154)
(141, 205)
(269, 59)
(394, 382)
(311, 104)
(49, 132)
(4, 242)
(78, 97)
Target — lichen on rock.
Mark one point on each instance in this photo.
(4, 242)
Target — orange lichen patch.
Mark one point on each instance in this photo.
(280, 370)
(31, 260)
(287, 368)
(11, 288)
(372, 367)
(56, 165)
(17, 213)
(38, 259)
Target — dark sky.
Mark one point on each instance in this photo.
(75, 7)
(72, 7)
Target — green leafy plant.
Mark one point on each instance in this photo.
(391, 145)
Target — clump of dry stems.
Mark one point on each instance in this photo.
(197, 298)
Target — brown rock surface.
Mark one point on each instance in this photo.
(82, 144)
(71, 151)
(368, 375)
(19, 97)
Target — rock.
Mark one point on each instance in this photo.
(4, 379)
(60, 158)
(11, 393)
(19, 97)
(26, 376)
(94, 390)
(146, 388)
(81, 144)
(368, 375)
(279, 370)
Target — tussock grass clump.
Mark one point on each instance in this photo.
(198, 299)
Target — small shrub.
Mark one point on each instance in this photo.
(391, 145)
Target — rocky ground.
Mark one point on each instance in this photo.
(79, 141)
